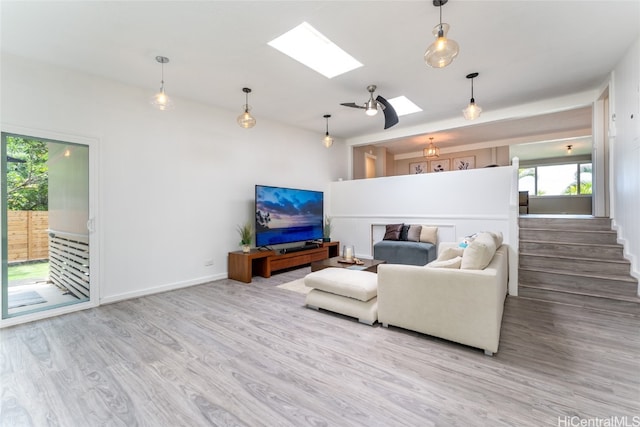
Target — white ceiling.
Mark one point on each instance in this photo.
(524, 51)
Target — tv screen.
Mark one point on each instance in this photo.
(286, 215)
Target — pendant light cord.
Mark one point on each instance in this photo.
(472, 89)
(162, 74)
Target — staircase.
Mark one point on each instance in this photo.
(575, 261)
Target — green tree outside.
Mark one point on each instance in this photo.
(27, 181)
(585, 186)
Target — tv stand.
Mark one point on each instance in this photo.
(243, 265)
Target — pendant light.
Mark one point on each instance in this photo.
(327, 140)
(472, 111)
(569, 149)
(442, 51)
(160, 100)
(431, 152)
(245, 119)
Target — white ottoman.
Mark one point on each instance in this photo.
(350, 292)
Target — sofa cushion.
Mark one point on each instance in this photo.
(479, 253)
(413, 235)
(392, 232)
(454, 262)
(399, 252)
(429, 234)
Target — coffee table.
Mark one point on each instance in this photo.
(368, 264)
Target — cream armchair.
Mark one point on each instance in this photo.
(460, 305)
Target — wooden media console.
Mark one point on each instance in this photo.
(243, 265)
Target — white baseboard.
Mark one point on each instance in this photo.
(163, 288)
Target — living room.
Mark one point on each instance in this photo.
(170, 187)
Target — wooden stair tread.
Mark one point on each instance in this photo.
(556, 242)
(614, 277)
(576, 258)
(610, 296)
(563, 261)
(582, 306)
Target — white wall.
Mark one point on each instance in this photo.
(625, 149)
(173, 185)
(459, 202)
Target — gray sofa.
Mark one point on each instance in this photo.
(404, 252)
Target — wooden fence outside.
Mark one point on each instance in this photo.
(27, 233)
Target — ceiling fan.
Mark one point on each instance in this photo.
(372, 105)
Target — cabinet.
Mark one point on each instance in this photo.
(242, 266)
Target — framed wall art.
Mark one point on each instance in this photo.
(439, 165)
(418, 167)
(462, 163)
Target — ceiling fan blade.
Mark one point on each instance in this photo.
(390, 116)
(352, 105)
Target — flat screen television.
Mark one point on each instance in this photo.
(287, 215)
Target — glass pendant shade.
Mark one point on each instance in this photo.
(472, 111)
(327, 141)
(161, 101)
(443, 50)
(431, 152)
(246, 120)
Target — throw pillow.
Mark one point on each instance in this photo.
(467, 240)
(497, 237)
(450, 253)
(429, 234)
(449, 263)
(414, 233)
(479, 253)
(392, 232)
(404, 232)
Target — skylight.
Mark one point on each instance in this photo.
(404, 106)
(308, 46)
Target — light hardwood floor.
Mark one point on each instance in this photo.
(228, 353)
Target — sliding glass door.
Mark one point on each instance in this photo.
(45, 224)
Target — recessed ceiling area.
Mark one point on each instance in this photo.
(538, 136)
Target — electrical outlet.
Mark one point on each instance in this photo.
(208, 263)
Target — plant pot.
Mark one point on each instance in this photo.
(326, 239)
(246, 248)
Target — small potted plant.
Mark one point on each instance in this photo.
(245, 231)
(326, 232)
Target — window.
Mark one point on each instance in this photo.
(556, 180)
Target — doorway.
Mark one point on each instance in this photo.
(369, 165)
(45, 224)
